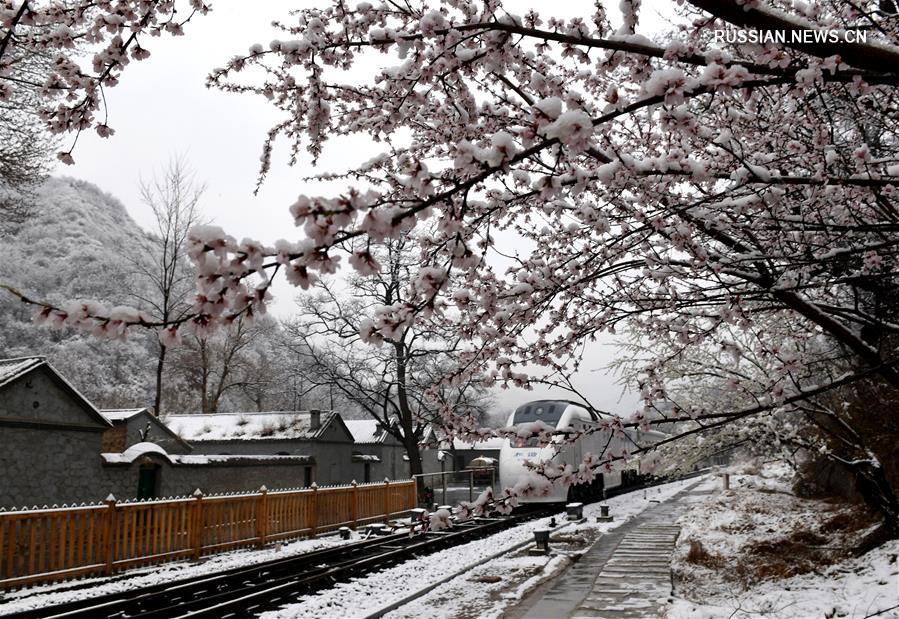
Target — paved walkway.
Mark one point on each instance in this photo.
(625, 574)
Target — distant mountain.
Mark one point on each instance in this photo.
(79, 243)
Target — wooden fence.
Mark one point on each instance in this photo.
(57, 544)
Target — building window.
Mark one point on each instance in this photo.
(307, 476)
(367, 473)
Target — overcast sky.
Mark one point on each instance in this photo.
(161, 109)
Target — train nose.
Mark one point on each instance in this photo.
(512, 469)
(513, 472)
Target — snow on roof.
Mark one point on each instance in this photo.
(487, 443)
(365, 458)
(243, 426)
(365, 430)
(11, 369)
(117, 414)
(141, 449)
(134, 452)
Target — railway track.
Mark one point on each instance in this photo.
(248, 591)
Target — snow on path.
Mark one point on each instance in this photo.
(474, 593)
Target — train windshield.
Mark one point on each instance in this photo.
(547, 411)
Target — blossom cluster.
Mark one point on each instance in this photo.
(90, 44)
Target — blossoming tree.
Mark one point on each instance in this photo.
(680, 188)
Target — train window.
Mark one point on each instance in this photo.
(548, 412)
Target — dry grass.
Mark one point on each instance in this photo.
(796, 553)
(698, 555)
(769, 535)
(849, 521)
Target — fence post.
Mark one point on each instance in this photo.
(314, 511)
(355, 507)
(111, 526)
(262, 516)
(386, 500)
(196, 531)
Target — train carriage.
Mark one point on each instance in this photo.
(563, 415)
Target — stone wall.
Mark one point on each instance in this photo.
(40, 397)
(212, 478)
(333, 460)
(50, 441)
(43, 467)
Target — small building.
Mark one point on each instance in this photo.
(440, 455)
(50, 437)
(463, 452)
(323, 438)
(377, 453)
(57, 448)
(158, 473)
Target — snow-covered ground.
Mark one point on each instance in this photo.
(58, 593)
(764, 553)
(485, 590)
(506, 575)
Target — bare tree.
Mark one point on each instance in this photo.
(399, 383)
(174, 196)
(232, 366)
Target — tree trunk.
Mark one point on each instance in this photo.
(160, 364)
(204, 378)
(415, 468)
(414, 453)
(878, 494)
(406, 421)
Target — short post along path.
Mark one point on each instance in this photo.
(626, 574)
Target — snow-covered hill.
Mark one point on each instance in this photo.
(80, 242)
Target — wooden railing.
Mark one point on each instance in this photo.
(60, 543)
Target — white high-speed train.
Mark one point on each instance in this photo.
(565, 415)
